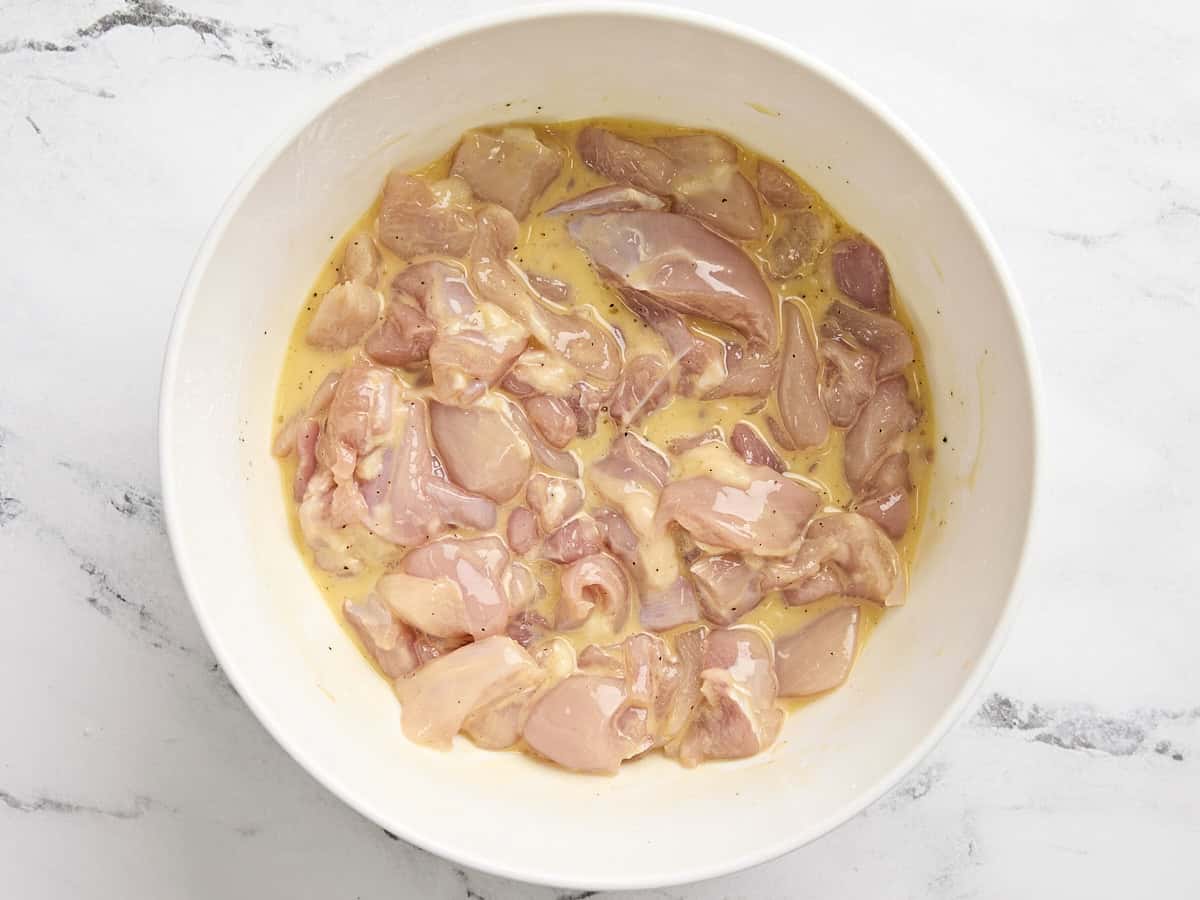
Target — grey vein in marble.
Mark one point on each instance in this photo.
(54, 805)
(1082, 727)
(229, 39)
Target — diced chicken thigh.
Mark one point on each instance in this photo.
(347, 312)
(861, 273)
(842, 553)
(748, 509)
(738, 715)
(594, 582)
(819, 656)
(729, 587)
(584, 343)
(798, 393)
(417, 218)
(511, 168)
(438, 697)
(482, 449)
(476, 342)
(682, 265)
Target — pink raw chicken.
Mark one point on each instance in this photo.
(683, 266)
(818, 657)
(438, 697)
(748, 509)
(452, 587)
(800, 407)
(476, 342)
(738, 715)
(631, 477)
(482, 449)
(511, 168)
(594, 582)
(842, 553)
(585, 344)
(878, 432)
(708, 185)
(416, 217)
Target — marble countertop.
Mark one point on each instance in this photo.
(128, 766)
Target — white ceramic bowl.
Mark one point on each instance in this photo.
(655, 823)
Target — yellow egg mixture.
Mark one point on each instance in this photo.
(546, 249)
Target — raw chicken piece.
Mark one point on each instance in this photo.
(416, 217)
(797, 240)
(751, 373)
(749, 509)
(552, 289)
(476, 342)
(408, 500)
(700, 359)
(553, 500)
(583, 723)
(683, 266)
(801, 231)
(389, 642)
(708, 185)
(438, 697)
(361, 261)
(307, 434)
(882, 335)
(586, 344)
(626, 161)
(522, 530)
(664, 608)
(631, 478)
(878, 432)
(576, 539)
(842, 553)
(527, 628)
(861, 273)
(818, 657)
(435, 606)
(680, 445)
(539, 373)
(885, 499)
(654, 677)
(753, 448)
(521, 586)
(800, 407)
(560, 461)
(553, 418)
(347, 312)
(482, 449)
(611, 198)
(782, 438)
(779, 189)
(738, 715)
(358, 424)
(698, 170)
(451, 588)
(403, 338)
(729, 587)
(645, 386)
(511, 168)
(498, 725)
(593, 582)
(617, 535)
(847, 380)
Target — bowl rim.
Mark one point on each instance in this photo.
(329, 779)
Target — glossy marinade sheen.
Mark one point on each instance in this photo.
(545, 248)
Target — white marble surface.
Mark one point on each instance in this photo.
(128, 766)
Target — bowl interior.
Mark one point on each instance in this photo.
(304, 678)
